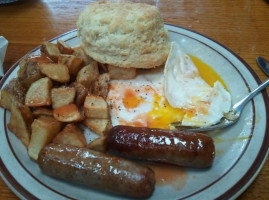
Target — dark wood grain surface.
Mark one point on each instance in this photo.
(241, 25)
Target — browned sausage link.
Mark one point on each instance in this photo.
(174, 147)
(98, 170)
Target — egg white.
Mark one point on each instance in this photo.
(184, 88)
(145, 86)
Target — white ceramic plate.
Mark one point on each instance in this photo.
(240, 150)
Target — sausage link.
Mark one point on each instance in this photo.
(98, 170)
(175, 147)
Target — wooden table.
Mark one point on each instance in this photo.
(241, 25)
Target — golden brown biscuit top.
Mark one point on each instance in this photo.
(124, 34)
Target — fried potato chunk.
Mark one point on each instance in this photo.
(99, 126)
(73, 63)
(95, 107)
(68, 113)
(20, 122)
(39, 93)
(79, 52)
(57, 72)
(81, 93)
(62, 96)
(64, 48)
(44, 129)
(98, 144)
(88, 74)
(29, 72)
(100, 85)
(43, 58)
(12, 93)
(51, 50)
(71, 135)
(117, 73)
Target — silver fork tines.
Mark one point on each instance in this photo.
(229, 118)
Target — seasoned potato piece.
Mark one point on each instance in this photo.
(99, 126)
(64, 48)
(68, 113)
(71, 135)
(44, 129)
(51, 50)
(117, 73)
(95, 107)
(12, 93)
(81, 93)
(20, 122)
(29, 72)
(42, 111)
(98, 144)
(100, 85)
(39, 93)
(88, 74)
(57, 72)
(79, 52)
(62, 96)
(43, 58)
(73, 63)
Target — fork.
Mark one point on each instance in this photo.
(229, 118)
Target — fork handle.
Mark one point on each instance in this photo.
(241, 104)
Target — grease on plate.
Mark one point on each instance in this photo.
(221, 140)
(170, 175)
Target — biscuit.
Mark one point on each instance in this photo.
(124, 34)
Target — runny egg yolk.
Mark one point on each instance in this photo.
(162, 114)
(206, 72)
(131, 100)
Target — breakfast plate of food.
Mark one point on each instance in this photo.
(87, 115)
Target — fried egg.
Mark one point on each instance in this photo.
(184, 88)
(157, 97)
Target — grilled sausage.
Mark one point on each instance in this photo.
(98, 170)
(180, 148)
